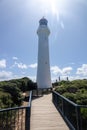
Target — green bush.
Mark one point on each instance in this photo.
(70, 96)
(5, 100)
(15, 93)
(61, 89)
(74, 90)
(11, 91)
(84, 113)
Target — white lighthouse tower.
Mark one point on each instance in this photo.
(43, 69)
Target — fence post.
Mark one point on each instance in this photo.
(63, 107)
(27, 118)
(52, 96)
(78, 117)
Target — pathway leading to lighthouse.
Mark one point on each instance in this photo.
(44, 115)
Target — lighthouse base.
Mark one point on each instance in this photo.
(41, 91)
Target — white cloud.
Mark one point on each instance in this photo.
(5, 75)
(71, 77)
(56, 70)
(33, 65)
(14, 58)
(3, 63)
(66, 70)
(82, 70)
(21, 65)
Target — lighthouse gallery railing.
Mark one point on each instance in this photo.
(17, 118)
(71, 112)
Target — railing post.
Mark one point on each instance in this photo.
(27, 118)
(63, 107)
(52, 96)
(78, 118)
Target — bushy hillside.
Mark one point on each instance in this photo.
(11, 91)
(75, 90)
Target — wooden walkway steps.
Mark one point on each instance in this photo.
(44, 115)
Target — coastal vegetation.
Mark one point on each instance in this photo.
(75, 90)
(11, 91)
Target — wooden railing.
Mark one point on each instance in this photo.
(75, 115)
(17, 118)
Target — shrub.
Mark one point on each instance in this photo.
(70, 96)
(75, 90)
(5, 100)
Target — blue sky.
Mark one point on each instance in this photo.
(67, 20)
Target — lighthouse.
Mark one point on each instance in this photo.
(43, 67)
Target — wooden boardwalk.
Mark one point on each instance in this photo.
(44, 115)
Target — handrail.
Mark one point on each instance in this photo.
(13, 108)
(71, 112)
(22, 107)
(9, 114)
(65, 98)
(71, 102)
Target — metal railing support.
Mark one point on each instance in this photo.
(16, 118)
(78, 117)
(71, 112)
(27, 119)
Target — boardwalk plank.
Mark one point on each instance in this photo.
(44, 115)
